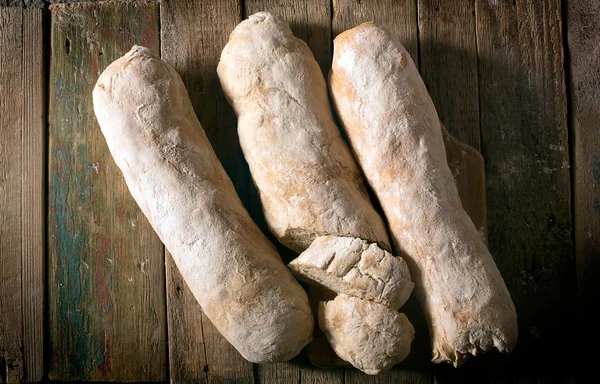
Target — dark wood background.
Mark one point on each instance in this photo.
(85, 293)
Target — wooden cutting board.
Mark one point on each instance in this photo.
(468, 169)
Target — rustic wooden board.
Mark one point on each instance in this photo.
(11, 321)
(106, 272)
(23, 3)
(448, 64)
(193, 33)
(583, 33)
(525, 146)
(21, 195)
(33, 155)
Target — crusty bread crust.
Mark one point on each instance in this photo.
(174, 175)
(308, 181)
(354, 267)
(370, 336)
(395, 134)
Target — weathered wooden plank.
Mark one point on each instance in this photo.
(21, 195)
(583, 33)
(106, 277)
(396, 375)
(313, 375)
(22, 3)
(193, 33)
(448, 64)
(11, 128)
(400, 17)
(288, 372)
(33, 159)
(525, 146)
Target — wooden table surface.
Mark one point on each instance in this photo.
(85, 292)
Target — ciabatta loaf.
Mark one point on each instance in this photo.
(309, 183)
(174, 175)
(395, 134)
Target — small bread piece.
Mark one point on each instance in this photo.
(370, 336)
(395, 132)
(352, 266)
(309, 183)
(179, 184)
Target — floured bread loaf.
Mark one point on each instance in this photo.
(174, 175)
(309, 183)
(395, 134)
(356, 268)
(370, 336)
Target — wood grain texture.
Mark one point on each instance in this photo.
(448, 64)
(187, 350)
(525, 146)
(11, 128)
(107, 318)
(395, 376)
(193, 33)
(33, 178)
(22, 3)
(583, 33)
(21, 195)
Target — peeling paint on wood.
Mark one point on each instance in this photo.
(107, 315)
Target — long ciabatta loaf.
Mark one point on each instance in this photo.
(308, 181)
(175, 177)
(395, 134)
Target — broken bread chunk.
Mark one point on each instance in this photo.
(354, 267)
(370, 336)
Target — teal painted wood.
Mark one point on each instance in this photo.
(106, 264)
